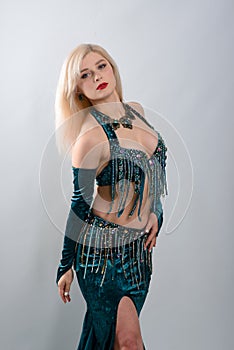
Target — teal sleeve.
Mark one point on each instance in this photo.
(158, 211)
(159, 182)
(83, 183)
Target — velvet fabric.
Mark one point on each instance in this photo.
(108, 272)
(99, 325)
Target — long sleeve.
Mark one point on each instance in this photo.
(83, 184)
(159, 182)
(158, 211)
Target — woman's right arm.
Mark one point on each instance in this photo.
(84, 165)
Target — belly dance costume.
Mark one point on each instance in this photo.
(109, 259)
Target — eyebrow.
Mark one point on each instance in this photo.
(102, 59)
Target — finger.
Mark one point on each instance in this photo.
(66, 292)
(147, 242)
(67, 295)
(151, 226)
(148, 228)
(61, 292)
(149, 239)
(61, 286)
(64, 289)
(152, 244)
(147, 232)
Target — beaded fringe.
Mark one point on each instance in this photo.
(97, 245)
(158, 181)
(132, 165)
(127, 163)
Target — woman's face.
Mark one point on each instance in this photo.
(96, 80)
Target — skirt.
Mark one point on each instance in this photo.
(110, 263)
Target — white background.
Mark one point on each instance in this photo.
(174, 57)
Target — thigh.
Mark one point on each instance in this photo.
(128, 332)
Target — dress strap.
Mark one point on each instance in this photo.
(131, 109)
(104, 121)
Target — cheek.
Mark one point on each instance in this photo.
(84, 85)
(110, 74)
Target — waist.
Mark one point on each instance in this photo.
(101, 206)
(100, 233)
(104, 223)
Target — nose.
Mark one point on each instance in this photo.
(97, 76)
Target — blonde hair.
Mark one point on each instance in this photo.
(67, 103)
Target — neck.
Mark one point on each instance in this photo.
(111, 105)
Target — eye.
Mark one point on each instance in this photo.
(85, 75)
(102, 65)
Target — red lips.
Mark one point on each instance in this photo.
(102, 86)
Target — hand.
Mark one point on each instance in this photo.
(64, 285)
(152, 229)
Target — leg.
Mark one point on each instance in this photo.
(128, 333)
(98, 330)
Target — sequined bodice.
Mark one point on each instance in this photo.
(104, 178)
(129, 164)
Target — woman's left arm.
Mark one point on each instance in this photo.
(155, 219)
(153, 227)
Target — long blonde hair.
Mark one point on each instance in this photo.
(67, 103)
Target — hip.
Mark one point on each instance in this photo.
(104, 246)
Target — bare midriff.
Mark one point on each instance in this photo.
(102, 201)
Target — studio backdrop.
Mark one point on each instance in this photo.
(175, 59)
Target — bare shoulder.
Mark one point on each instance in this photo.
(87, 150)
(138, 107)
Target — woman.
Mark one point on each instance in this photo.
(108, 239)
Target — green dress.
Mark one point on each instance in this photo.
(109, 259)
